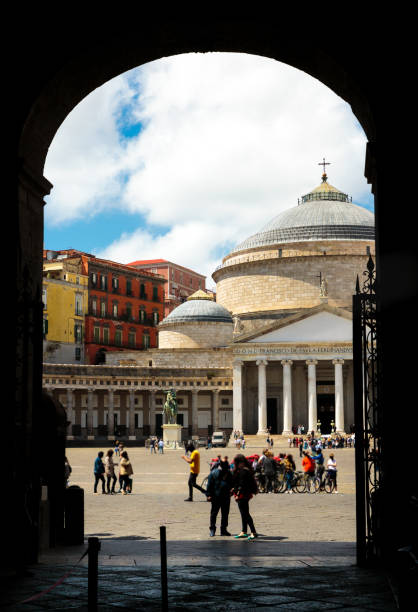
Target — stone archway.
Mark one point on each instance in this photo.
(60, 71)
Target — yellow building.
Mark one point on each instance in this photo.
(65, 300)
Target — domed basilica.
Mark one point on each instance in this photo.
(275, 349)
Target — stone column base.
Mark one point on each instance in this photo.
(287, 433)
(70, 437)
(262, 432)
(110, 437)
(132, 438)
(90, 437)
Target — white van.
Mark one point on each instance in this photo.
(219, 438)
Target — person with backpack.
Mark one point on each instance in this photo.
(244, 486)
(219, 494)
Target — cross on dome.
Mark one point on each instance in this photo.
(324, 163)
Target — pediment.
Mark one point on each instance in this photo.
(319, 325)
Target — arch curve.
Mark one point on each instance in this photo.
(78, 74)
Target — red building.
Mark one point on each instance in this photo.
(125, 305)
(181, 281)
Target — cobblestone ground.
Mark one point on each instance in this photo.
(304, 557)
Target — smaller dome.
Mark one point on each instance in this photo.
(198, 307)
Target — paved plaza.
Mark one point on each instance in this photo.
(305, 554)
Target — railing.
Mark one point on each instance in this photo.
(368, 425)
(148, 322)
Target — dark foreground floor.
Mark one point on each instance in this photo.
(213, 588)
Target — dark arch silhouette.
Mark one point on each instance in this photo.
(63, 59)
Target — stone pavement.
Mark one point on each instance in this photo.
(303, 559)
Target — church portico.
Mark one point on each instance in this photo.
(276, 388)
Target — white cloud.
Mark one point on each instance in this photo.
(229, 141)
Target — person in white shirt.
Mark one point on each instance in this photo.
(332, 470)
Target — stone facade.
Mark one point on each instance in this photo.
(199, 334)
(134, 397)
(290, 283)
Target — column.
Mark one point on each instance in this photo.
(237, 395)
(111, 415)
(70, 414)
(287, 397)
(215, 409)
(195, 422)
(312, 405)
(132, 435)
(151, 400)
(90, 430)
(339, 395)
(262, 397)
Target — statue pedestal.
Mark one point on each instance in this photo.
(172, 435)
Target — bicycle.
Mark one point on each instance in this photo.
(307, 483)
(329, 482)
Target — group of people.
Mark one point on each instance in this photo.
(323, 442)
(157, 443)
(239, 439)
(313, 464)
(222, 484)
(104, 472)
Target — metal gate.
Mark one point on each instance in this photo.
(368, 425)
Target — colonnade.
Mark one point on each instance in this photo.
(287, 395)
(152, 411)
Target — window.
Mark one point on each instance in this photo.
(44, 293)
(156, 317)
(79, 305)
(146, 341)
(142, 293)
(78, 354)
(94, 306)
(155, 294)
(128, 287)
(115, 310)
(105, 335)
(103, 308)
(103, 283)
(96, 335)
(78, 334)
(132, 339)
(115, 283)
(94, 279)
(368, 250)
(142, 315)
(129, 311)
(118, 337)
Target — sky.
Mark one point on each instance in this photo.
(185, 157)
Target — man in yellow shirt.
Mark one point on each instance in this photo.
(194, 462)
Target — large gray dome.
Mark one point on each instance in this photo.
(323, 214)
(198, 308)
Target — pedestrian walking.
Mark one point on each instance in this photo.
(244, 486)
(161, 446)
(152, 446)
(110, 472)
(194, 462)
(98, 472)
(125, 473)
(219, 494)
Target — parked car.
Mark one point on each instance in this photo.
(219, 438)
